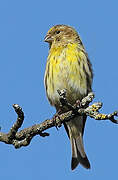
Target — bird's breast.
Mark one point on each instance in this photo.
(64, 70)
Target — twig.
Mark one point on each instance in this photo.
(24, 137)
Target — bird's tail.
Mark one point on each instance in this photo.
(78, 155)
(75, 131)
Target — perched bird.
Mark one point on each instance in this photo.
(69, 68)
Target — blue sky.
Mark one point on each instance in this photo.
(23, 25)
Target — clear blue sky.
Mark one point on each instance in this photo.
(23, 25)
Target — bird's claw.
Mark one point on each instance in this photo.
(57, 120)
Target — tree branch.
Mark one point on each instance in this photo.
(24, 137)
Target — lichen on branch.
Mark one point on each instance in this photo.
(24, 137)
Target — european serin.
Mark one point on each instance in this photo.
(68, 67)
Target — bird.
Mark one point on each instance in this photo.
(68, 67)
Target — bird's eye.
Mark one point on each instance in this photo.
(57, 32)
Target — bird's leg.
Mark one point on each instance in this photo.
(56, 119)
(78, 104)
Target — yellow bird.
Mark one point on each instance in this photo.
(68, 67)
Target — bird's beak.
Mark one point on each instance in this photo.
(48, 38)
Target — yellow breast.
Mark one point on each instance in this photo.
(65, 69)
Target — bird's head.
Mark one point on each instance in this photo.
(61, 34)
